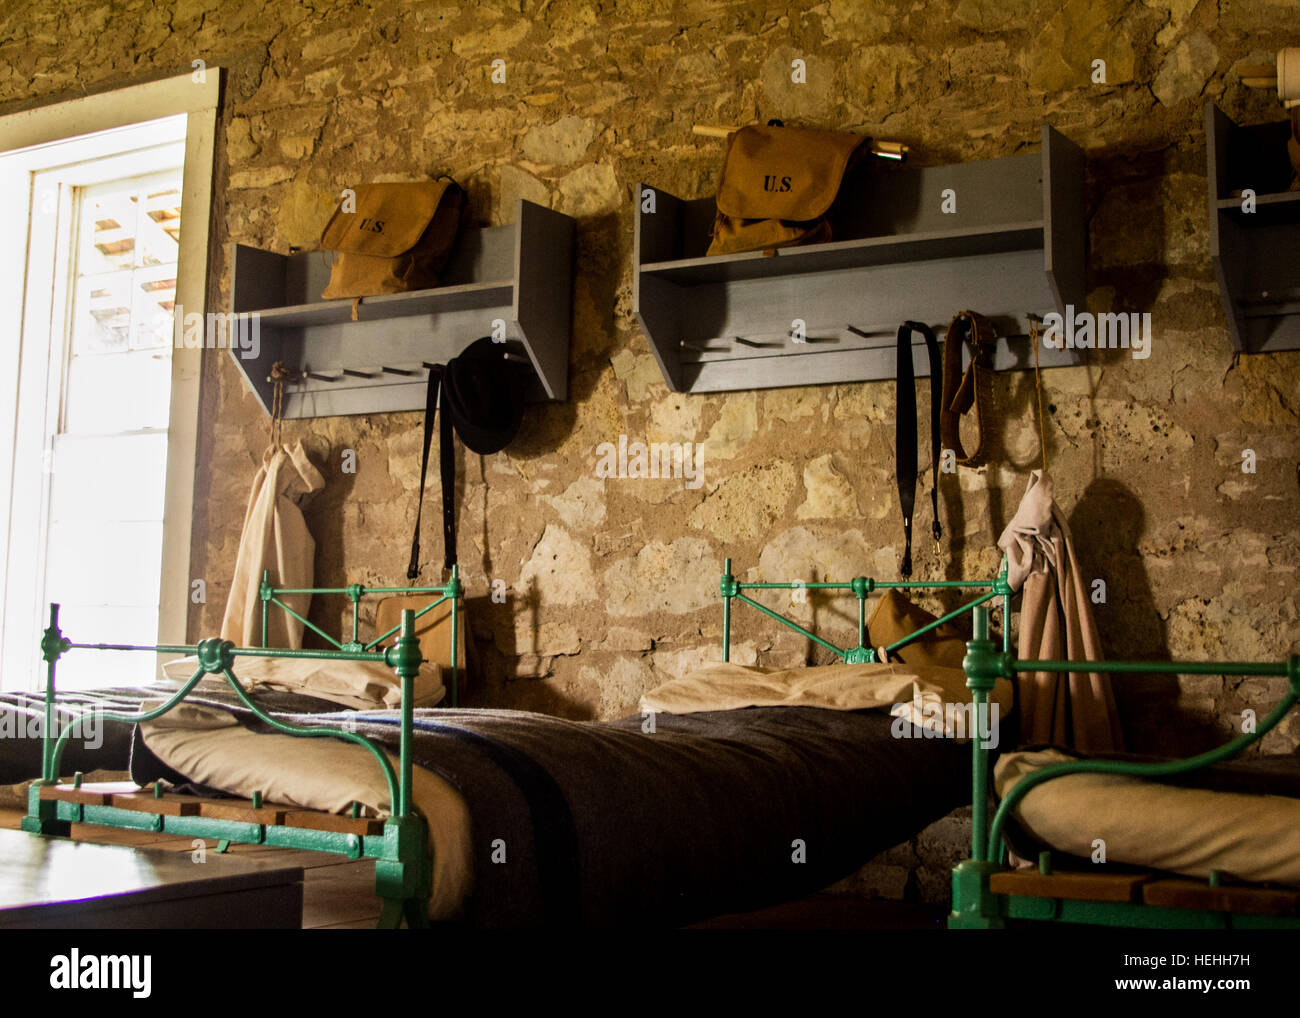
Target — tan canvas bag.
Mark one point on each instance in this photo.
(778, 185)
(398, 238)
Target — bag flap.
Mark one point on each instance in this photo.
(784, 172)
(389, 218)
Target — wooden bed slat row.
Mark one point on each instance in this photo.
(1149, 889)
(126, 795)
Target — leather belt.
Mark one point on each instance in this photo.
(961, 392)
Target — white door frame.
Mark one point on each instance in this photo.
(31, 141)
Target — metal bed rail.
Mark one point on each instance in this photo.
(450, 591)
(974, 905)
(403, 867)
(862, 588)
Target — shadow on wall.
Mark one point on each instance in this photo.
(1107, 524)
(507, 664)
(596, 275)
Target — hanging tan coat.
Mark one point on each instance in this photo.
(1056, 623)
(275, 538)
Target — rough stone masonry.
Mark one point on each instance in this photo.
(612, 582)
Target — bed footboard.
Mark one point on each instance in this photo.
(981, 898)
(399, 845)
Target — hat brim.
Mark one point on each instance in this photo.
(484, 394)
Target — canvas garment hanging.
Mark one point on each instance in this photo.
(275, 538)
(906, 428)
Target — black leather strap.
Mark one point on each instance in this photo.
(905, 431)
(447, 469)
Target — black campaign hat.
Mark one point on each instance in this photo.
(484, 394)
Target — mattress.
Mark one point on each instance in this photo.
(209, 748)
(541, 821)
(1242, 818)
(96, 745)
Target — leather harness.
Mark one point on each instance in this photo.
(961, 392)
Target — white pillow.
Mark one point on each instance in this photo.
(361, 684)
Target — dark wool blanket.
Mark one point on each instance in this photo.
(606, 824)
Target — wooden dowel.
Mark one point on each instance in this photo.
(884, 149)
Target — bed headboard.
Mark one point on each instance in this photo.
(450, 591)
(862, 588)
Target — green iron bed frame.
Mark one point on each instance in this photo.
(975, 906)
(403, 859)
(862, 586)
(403, 862)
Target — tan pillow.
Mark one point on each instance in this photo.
(359, 684)
(895, 617)
(902, 689)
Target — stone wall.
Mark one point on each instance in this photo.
(612, 583)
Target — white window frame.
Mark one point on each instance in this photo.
(39, 139)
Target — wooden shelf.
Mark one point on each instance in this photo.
(1256, 254)
(1015, 246)
(520, 274)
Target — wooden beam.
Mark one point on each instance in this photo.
(1070, 886)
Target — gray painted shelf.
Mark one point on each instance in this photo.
(521, 274)
(1015, 246)
(1256, 254)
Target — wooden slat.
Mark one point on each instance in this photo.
(168, 805)
(94, 794)
(1071, 886)
(312, 820)
(242, 811)
(1176, 893)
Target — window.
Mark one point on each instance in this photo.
(97, 506)
(107, 460)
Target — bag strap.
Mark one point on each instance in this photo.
(961, 392)
(447, 470)
(905, 432)
(1293, 147)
